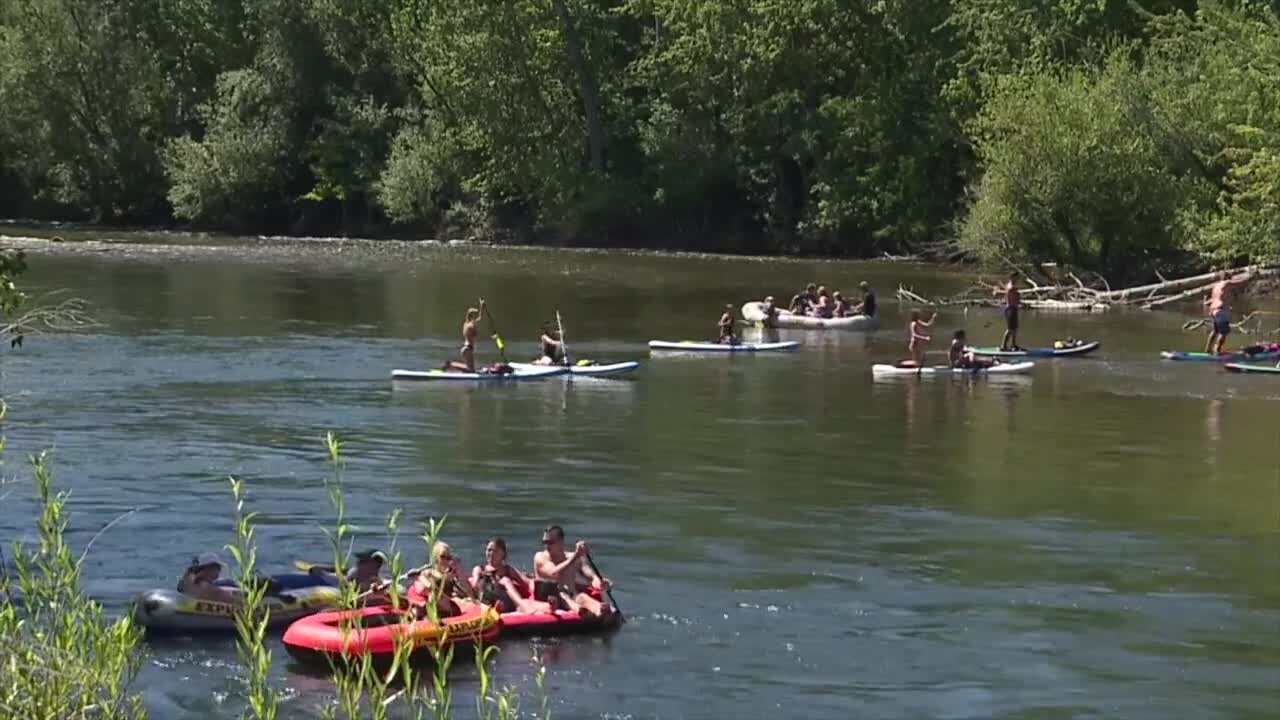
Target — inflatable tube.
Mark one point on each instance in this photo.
(171, 612)
(1079, 349)
(375, 631)
(707, 347)
(1000, 369)
(527, 372)
(1234, 357)
(754, 312)
(617, 368)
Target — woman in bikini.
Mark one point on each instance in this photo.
(501, 585)
(470, 328)
(445, 582)
(917, 337)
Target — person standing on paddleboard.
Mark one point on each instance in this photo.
(917, 339)
(1219, 312)
(727, 323)
(1012, 303)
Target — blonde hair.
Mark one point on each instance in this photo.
(440, 549)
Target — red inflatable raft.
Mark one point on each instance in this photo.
(374, 631)
(560, 622)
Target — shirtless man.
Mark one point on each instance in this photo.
(1219, 312)
(556, 575)
(1012, 302)
(200, 577)
(470, 328)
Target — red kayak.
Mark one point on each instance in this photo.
(377, 629)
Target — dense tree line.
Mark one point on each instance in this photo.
(1109, 134)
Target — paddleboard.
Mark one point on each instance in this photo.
(1081, 349)
(1251, 368)
(698, 346)
(1000, 369)
(1225, 357)
(531, 372)
(599, 370)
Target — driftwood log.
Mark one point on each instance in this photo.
(1062, 290)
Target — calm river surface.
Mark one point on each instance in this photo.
(789, 537)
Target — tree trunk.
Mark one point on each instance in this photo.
(587, 86)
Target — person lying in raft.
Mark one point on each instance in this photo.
(552, 347)
(501, 585)
(727, 324)
(444, 582)
(959, 356)
(200, 580)
(558, 574)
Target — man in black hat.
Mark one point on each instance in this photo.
(366, 575)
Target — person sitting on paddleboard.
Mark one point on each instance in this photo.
(501, 585)
(727, 323)
(444, 580)
(557, 575)
(1219, 312)
(868, 305)
(1012, 302)
(552, 347)
(917, 337)
(959, 356)
(200, 578)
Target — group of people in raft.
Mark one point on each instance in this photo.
(559, 574)
(813, 301)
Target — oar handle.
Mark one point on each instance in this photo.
(608, 590)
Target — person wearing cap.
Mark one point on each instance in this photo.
(366, 575)
(727, 334)
(200, 578)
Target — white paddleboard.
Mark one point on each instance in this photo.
(1003, 368)
(589, 370)
(697, 346)
(530, 372)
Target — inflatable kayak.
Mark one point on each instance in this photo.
(351, 634)
(1080, 348)
(754, 312)
(908, 369)
(1233, 357)
(591, 369)
(1252, 368)
(702, 346)
(172, 612)
(521, 372)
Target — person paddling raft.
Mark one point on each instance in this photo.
(917, 339)
(1012, 303)
(1219, 311)
(557, 575)
(727, 324)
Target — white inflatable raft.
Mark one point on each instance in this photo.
(754, 312)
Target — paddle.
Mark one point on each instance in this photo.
(307, 567)
(608, 590)
(564, 347)
(493, 330)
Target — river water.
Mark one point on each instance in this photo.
(788, 536)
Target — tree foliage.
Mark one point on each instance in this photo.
(1094, 132)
